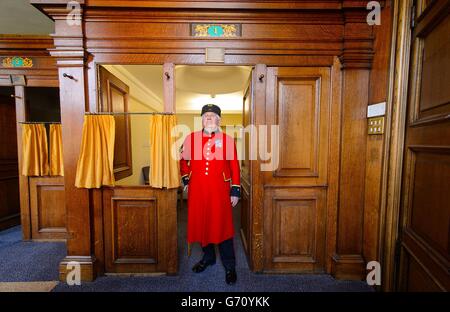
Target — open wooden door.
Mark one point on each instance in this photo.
(9, 174)
(114, 95)
(298, 104)
(425, 211)
(246, 181)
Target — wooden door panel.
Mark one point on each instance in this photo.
(47, 207)
(134, 230)
(9, 174)
(297, 114)
(429, 215)
(418, 279)
(298, 101)
(425, 213)
(434, 91)
(139, 227)
(114, 98)
(296, 233)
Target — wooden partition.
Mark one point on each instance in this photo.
(140, 227)
(312, 77)
(42, 199)
(47, 208)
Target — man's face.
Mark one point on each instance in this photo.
(210, 120)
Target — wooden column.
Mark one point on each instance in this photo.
(70, 55)
(356, 58)
(379, 77)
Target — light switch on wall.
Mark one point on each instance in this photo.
(376, 125)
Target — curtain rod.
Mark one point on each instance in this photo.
(39, 122)
(129, 113)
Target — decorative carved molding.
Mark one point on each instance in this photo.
(17, 62)
(357, 51)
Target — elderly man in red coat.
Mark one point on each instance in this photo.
(210, 170)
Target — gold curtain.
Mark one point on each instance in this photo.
(164, 167)
(34, 150)
(56, 156)
(95, 162)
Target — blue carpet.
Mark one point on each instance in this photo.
(28, 261)
(38, 261)
(212, 279)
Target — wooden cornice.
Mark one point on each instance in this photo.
(223, 4)
(26, 44)
(344, 31)
(43, 72)
(357, 51)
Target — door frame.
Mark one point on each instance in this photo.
(257, 189)
(395, 142)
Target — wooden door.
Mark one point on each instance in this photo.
(298, 102)
(425, 211)
(246, 184)
(9, 173)
(114, 98)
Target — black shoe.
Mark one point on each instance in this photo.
(201, 266)
(230, 277)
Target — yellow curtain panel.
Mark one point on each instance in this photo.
(56, 156)
(164, 168)
(34, 150)
(95, 162)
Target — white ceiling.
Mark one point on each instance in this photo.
(195, 85)
(20, 17)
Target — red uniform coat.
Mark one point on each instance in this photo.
(210, 162)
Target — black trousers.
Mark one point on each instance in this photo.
(226, 250)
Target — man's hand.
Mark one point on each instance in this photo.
(234, 200)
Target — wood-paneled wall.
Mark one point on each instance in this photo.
(316, 201)
(42, 200)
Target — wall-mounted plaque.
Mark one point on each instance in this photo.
(17, 61)
(216, 30)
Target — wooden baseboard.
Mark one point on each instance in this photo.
(86, 266)
(348, 267)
